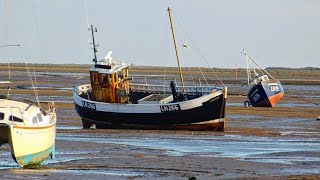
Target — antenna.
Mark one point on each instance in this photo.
(10, 45)
(94, 44)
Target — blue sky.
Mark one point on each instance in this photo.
(281, 33)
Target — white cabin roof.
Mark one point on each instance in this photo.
(5, 103)
(18, 108)
(109, 67)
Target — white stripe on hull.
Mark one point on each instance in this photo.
(144, 108)
(210, 121)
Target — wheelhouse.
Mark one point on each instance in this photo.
(110, 82)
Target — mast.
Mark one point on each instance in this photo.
(176, 49)
(251, 58)
(94, 44)
(9, 45)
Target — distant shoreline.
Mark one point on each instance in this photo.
(288, 76)
(142, 66)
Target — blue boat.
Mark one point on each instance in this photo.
(264, 90)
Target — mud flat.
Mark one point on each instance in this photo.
(259, 143)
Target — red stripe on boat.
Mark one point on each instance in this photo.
(275, 99)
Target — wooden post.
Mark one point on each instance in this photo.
(236, 72)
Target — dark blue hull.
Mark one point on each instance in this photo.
(266, 94)
(209, 116)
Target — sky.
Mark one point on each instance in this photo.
(282, 33)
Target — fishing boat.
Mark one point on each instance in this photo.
(111, 100)
(264, 90)
(29, 129)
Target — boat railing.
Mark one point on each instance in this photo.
(11, 114)
(159, 89)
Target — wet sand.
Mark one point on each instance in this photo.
(259, 143)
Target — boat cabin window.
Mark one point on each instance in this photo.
(121, 75)
(264, 78)
(125, 73)
(107, 79)
(15, 119)
(115, 77)
(1, 116)
(95, 78)
(34, 120)
(39, 117)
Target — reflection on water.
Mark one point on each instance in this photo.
(112, 172)
(119, 172)
(68, 127)
(236, 146)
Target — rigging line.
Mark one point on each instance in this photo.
(21, 54)
(197, 51)
(204, 77)
(85, 5)
(36, 84)
(184, 55)
(40, 46)
(252, 59)
(87, 18)
(190, 71)
(194, 83)
(50, 86)
(29, 74)
(9, 45)
(9, 67)
(164, 82)
(193, 54)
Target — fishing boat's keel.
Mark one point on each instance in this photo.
(35, 160)
(212, 125)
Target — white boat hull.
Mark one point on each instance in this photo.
(30, 144)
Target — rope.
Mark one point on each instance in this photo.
(194, 83)
(87, 18)
(30, 77)
(204, 76)
(164, 82)
(50, 86)
(198, 52)
(85, 5)
(35, 80)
